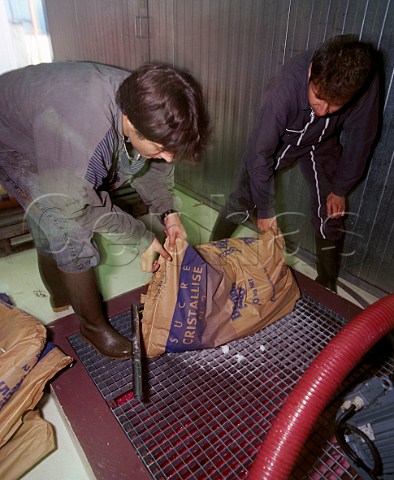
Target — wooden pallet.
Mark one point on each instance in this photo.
(14, 231)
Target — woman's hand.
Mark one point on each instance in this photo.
(173, 229)
(148, 259)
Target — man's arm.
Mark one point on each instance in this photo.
(360, 129)
(260, 155)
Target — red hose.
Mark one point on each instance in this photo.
(279, 451)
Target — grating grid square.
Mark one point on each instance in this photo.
(206, 412)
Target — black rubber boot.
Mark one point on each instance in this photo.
(94, 327)
(51, 278)
(223, 228)
(327, 261)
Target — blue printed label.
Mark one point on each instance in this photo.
(238, 298)
(188, 321)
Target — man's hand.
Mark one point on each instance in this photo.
(173, 229)
(264, 224)
(335, 206)
(148, 259)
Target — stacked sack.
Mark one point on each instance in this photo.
(27, 363)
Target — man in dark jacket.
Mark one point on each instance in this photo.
(72, 131)
(317, 97)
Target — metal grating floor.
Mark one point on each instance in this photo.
(206, 412)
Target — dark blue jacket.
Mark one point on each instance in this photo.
(284, 127)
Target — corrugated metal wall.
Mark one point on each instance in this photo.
(233, 47)
(114, 32)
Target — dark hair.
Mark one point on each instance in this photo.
(166, 106)
(340, 68)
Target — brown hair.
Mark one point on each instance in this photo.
(166, 106)
(340, 68)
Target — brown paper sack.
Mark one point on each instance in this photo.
(22, 338)
(217, 292)
(24, 371)
(31, 443)
(30, 392)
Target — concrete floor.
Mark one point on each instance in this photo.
(120, 273)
